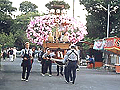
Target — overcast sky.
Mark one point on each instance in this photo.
(78, 11)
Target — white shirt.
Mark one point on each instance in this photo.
(27, 50)
(60, 54)
(14, 51)
(70, 55)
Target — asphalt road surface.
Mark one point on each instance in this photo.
(87, 79)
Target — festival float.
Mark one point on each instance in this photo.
(55, 29)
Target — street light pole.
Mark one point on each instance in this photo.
(108, 55)
(73, 8)
(108, 20)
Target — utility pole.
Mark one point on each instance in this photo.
(108, 55)
(108, 20)
(73, 8)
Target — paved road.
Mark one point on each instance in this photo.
(87, 79)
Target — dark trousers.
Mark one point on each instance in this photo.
(48, 64)
(66, 74)
(71, 68)
(32, 62)
(4, 55)
(61, 69)
(28, 68)
(42, 68)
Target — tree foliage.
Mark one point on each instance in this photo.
(21, 21)
(19, 27)
(6, 7)
(13, 31)
(6, 20)
(7, 40)
(97, 17)
(27, 6)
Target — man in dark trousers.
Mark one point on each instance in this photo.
(33, 56)
(26, 63)
(59, 54)
(48, 63)
(72, 56)
(41, 53)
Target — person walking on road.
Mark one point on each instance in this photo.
(38, 54)
(65, 69)
(14, 53)
(72, 57)
(59, 56)
(48, 63)
(26, 63)
(42, 61)
(4, 54)
(11, 54)
(33, 56)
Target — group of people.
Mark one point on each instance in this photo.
(47, 62)
(9, 53)
(69, 58)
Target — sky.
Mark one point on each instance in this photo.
(79, 13)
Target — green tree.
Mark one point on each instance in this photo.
(3, 39)
(6, 7)
(27, 6)
(21, 21)
(10, 40)
(20, 39)
(19, 28)
(7, 40)
(6, 20)
(97, 17)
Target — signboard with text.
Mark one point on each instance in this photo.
(113, 45)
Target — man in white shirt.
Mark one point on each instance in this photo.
(14, 53)
(48, 63)
(26, 54)
(11, 54)
(59, 56)
(72, 57)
